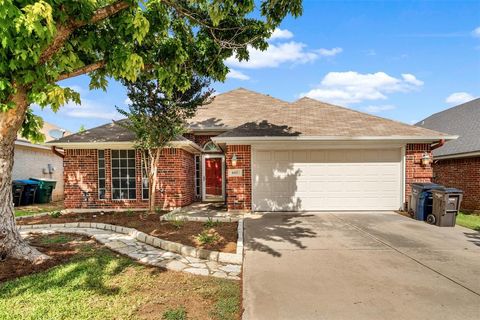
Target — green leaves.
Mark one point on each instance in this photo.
(175, 39)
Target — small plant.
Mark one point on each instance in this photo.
(55, 214)
(130, 213)
(177, 223)
(175, 314)
(211, 224)
(158, 210)
(207, 237)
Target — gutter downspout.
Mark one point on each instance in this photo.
(58, 153)
(438, 144)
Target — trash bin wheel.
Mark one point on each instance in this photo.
(431, 219)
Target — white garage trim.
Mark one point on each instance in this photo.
(327, 179)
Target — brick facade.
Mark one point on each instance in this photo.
(201, 140)
(414, 170)
(463, 174)
(239, 189)
(175, 187)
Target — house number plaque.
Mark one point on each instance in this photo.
(235, 172)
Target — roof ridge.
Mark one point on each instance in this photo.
(448, 109)
(255, 92)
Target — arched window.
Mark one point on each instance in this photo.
(211, 147)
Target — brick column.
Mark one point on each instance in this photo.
(414, 170)
(239, 189)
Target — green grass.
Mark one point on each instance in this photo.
(58, 238)
(21, 213)
(99, 284)
(471, 221)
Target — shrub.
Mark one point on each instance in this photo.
(211, 224)
(177, 223)
(130, 213)
(207, 237)
(55, 214)
(175, 314)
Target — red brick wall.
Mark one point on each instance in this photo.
(175, 185)
(414, 170)
(463, 174)
(239, 189)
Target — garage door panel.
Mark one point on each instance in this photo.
(326, 180)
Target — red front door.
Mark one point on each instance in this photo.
(213, 176)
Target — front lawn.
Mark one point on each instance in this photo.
(95, 283)
(38, 208)
(471, 221)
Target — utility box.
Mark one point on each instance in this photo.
(446, 204)
(420, 204)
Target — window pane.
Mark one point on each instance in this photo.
(115, 154)
(123, 153)
(145, 194)
(101, 153)
(131, 154)
(115, 173)
(131, 163)
(115, 163)
(123, 172)
(132, 194)
(131, 183)
(101, 163)
(116, 183)
(131, 173)
(123, 183)
(123, 163)
(101, 183)
(116, 194)
(101, 173)
(101, 194)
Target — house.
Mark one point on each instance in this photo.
(32, 160)
(259, 153)
(457, 163)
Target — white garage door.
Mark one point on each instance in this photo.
(326, 180)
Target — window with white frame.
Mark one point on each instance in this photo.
(101, 174)
(211, 147)
(198, 177)
(123, 174)
(145, 195)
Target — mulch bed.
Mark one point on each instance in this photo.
(59, 253)
(184, 233)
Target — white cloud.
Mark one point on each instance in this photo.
(476, 32)
(90, 109)
(276, 54)
(410, 78)
(459, 98)
(378, 109)
(352, 87)
(281, 34)
(329, 52)
(235, 74)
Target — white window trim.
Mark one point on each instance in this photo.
(111, 177)
(98, 176)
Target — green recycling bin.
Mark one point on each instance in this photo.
(45, 190)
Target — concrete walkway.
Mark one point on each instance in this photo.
(359, 266)
(211, 210)
(146, 254)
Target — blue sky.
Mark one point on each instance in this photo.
(402, 60)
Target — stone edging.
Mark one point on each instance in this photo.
(180, 217)
(184, 250)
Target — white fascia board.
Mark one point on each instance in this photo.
(458, 155)
(32, 145)
(401, 139)
(187, 145)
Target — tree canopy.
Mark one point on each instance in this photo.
(45, 41)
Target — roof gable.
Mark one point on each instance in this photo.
(462, 120)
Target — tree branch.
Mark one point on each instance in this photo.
(65, 30)
(85, 69)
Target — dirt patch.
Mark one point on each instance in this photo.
(182, 232)
(61, 248)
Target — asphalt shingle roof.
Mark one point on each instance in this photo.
(244, 113)
(462, 120)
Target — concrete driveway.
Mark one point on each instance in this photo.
(359, 266)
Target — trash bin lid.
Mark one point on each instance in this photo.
(426, 185)
(26, 181)
(43, 179)
(449, 190)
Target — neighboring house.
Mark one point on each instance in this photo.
(257, 153)
(457, 163)
(33, 160)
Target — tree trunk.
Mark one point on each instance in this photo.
(154, 156)
(11, 243)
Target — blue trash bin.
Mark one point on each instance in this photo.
(421, 199)
(29, 190)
